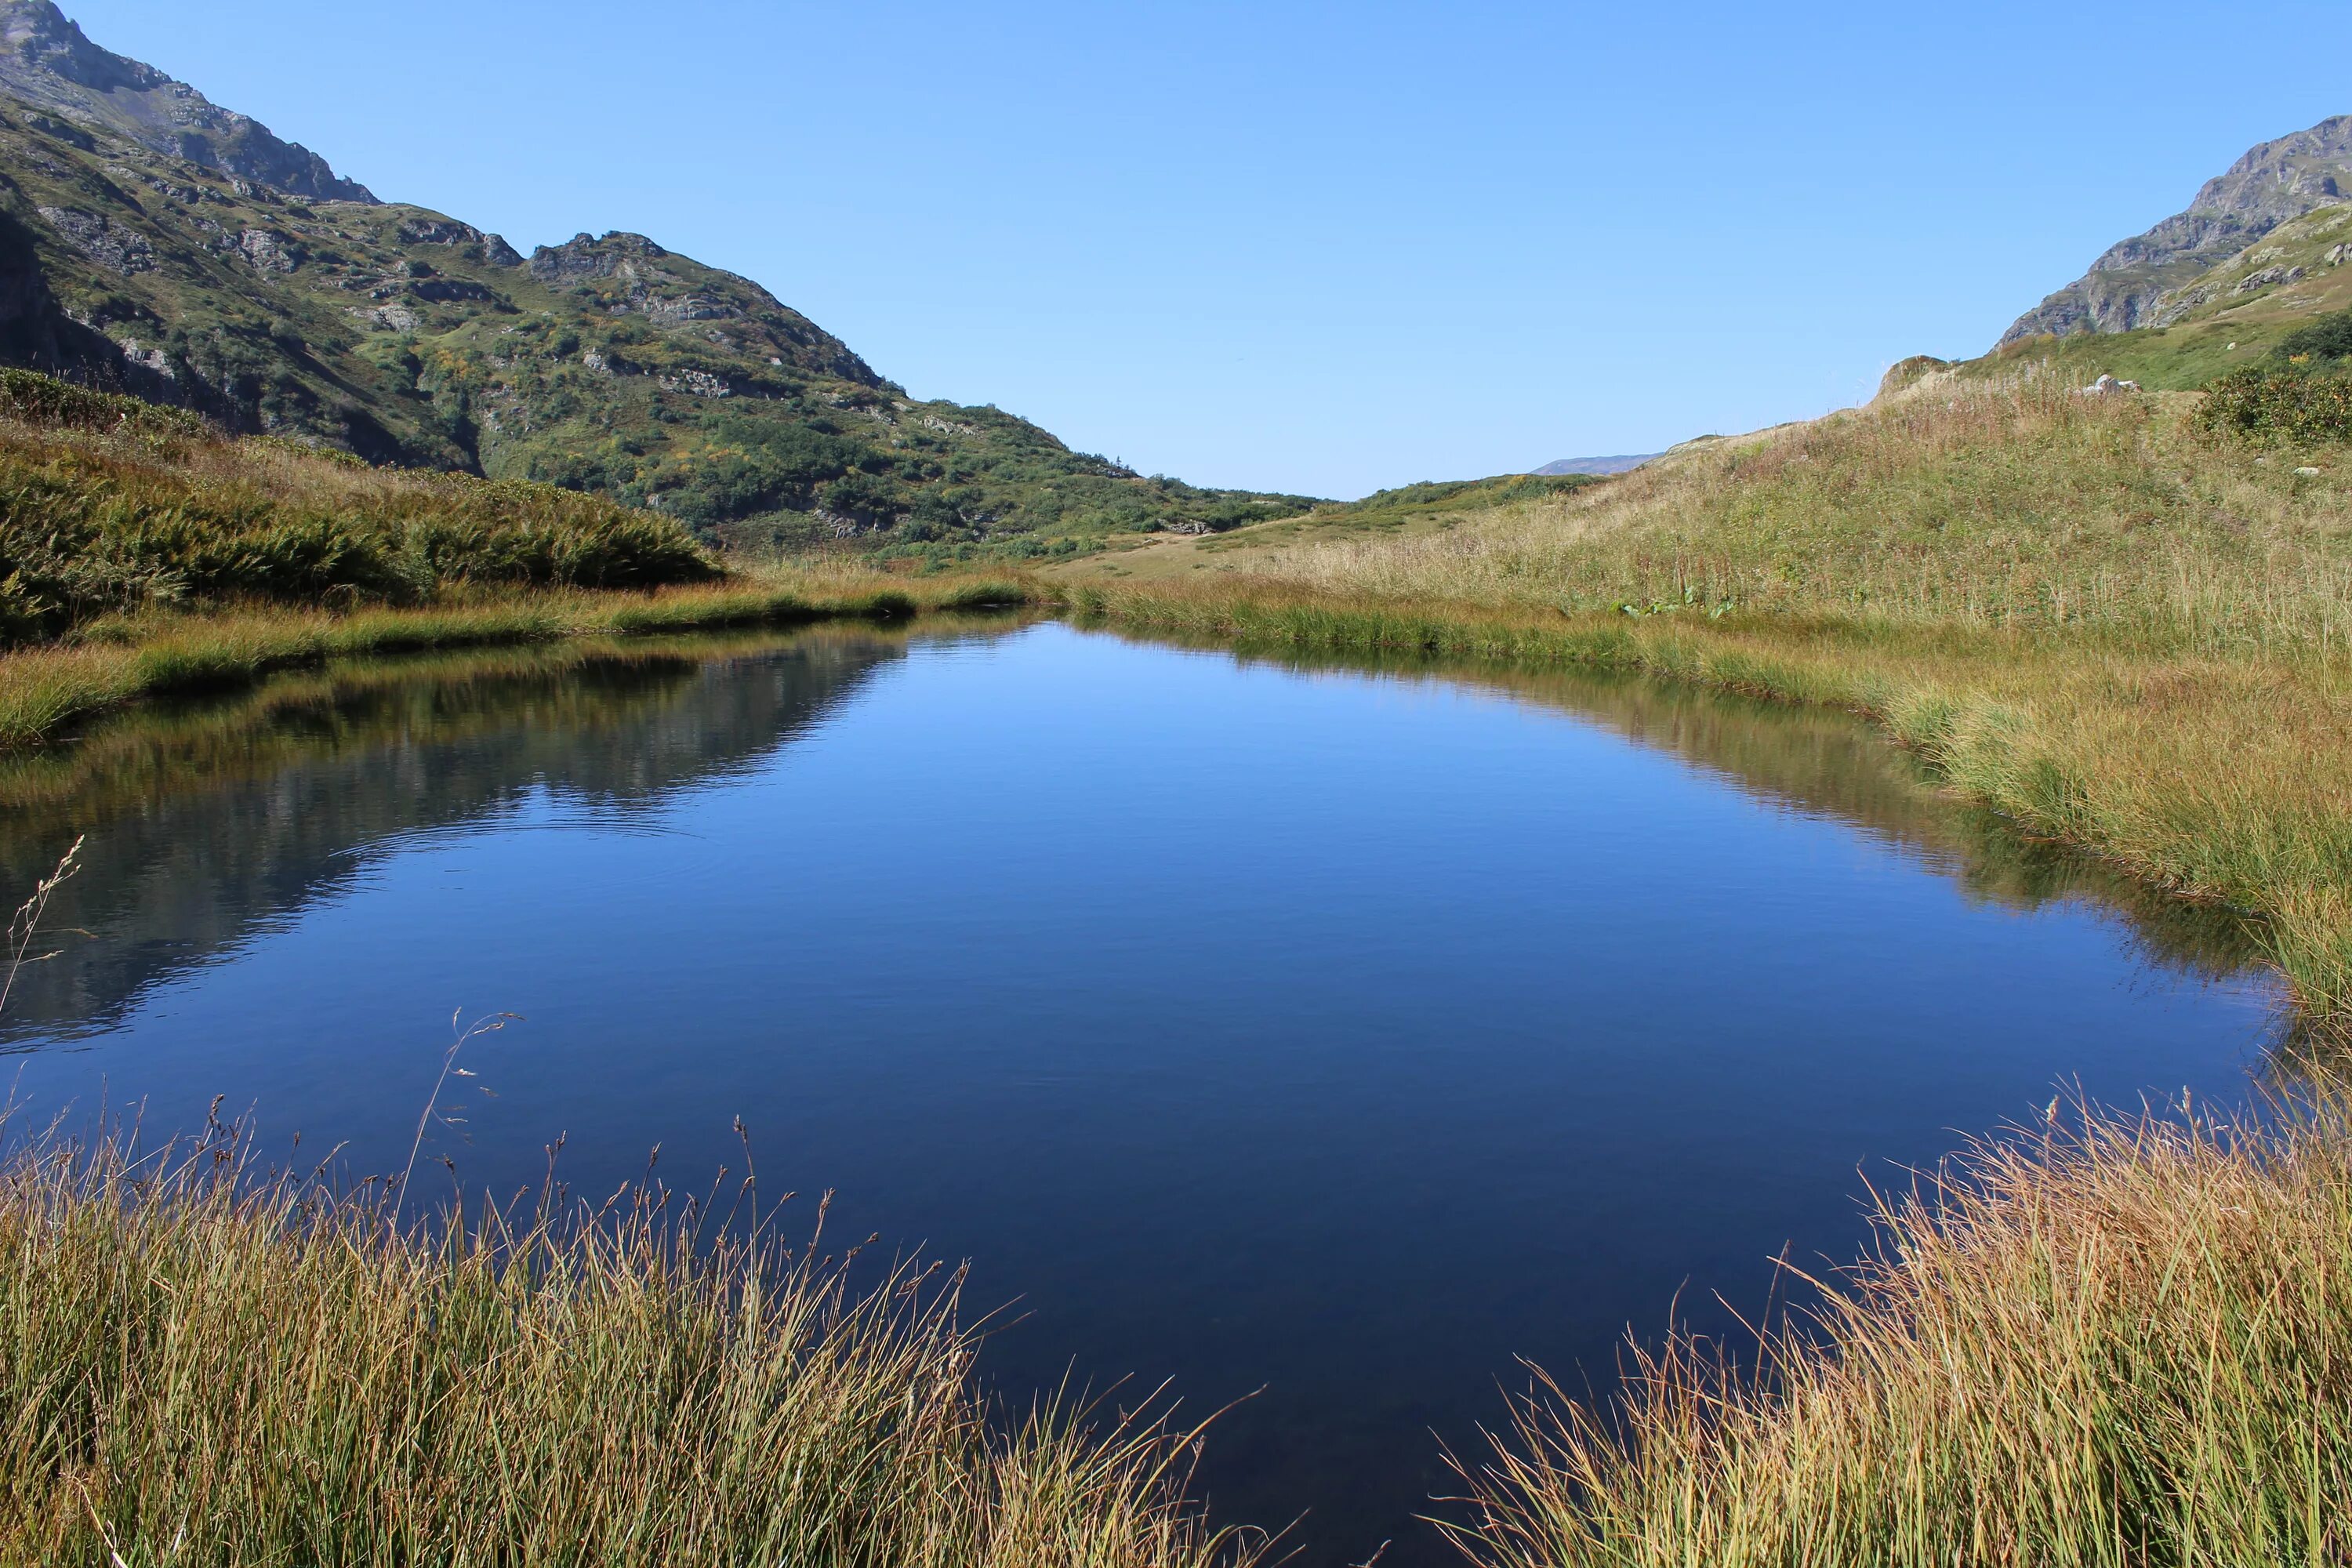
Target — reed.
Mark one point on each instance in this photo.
(208, 1363)
(2117, 1342)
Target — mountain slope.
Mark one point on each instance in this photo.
(45, 61)
(199, 261)
(2272, 183)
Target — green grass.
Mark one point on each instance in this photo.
(209, 1365)
(108, 505)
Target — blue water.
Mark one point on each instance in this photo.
(1344, 1034)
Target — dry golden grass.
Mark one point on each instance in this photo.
(2125, 1343)
(2021, 505)
(206, 1365)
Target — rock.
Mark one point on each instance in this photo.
(268, 252)
(2306, 473)
(2267, 278)
(122, 250)
(448, 291)
(2106, 385)
(2337, 255)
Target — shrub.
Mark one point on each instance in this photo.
(2273, 404)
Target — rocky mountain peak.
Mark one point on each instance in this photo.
(2273, 183)
(48, 63)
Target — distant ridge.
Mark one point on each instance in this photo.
(1618, 465)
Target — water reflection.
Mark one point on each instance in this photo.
(208, 822)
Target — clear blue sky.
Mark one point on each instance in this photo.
(1307, 247)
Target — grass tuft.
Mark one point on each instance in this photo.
(2119, 1341)
(206, 1363)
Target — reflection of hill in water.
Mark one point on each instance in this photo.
(210, 823)
(1826, 763)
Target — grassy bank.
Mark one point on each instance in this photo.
(109, 505)
(2125, 1343)
(2090, 615)
(206, 1364)
(45, 689)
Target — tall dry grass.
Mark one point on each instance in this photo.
(2126, 1343)
(209, 1365)
(2021, 505)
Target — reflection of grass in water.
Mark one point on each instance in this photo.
(174, 745)
(2219, 777)
(209, 1363)
(2125, 1342)
(1818, 762)
(43, 690)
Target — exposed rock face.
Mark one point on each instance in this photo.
(45, 60)
(627, 274)
(2271, 185)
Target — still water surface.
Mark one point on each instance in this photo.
(1345, 1033)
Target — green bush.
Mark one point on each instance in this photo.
(89, 527)
(2267, 402)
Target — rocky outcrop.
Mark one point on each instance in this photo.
(45, 61)
(2273, 183)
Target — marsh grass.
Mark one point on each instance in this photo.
(209, 1363)
(2113, 1343)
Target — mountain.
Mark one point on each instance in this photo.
(2273, 183)
(45, 61)
(1595, 465)
(153, 243)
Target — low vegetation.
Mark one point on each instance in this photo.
(205, 1363)
(109, 505)
(2119, 1341)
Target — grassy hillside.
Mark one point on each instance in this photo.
(608, 366)
(110, 506)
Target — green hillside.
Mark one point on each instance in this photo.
(609, 366)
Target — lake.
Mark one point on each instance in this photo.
(1343, 1033)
